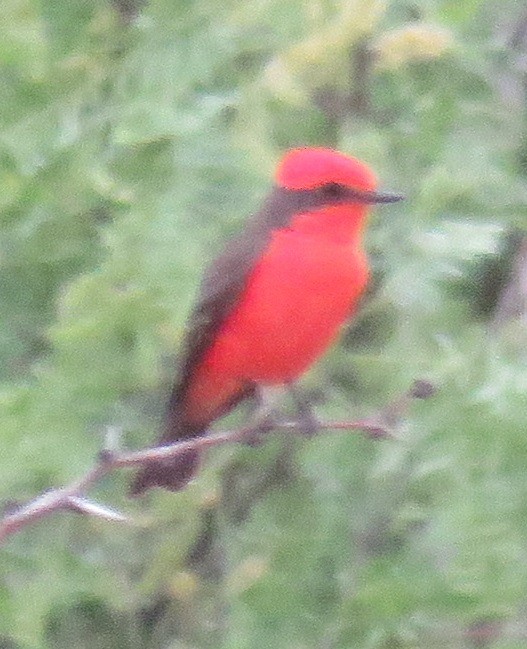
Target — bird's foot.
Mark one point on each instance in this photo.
(307, 422)
(265, 417)
(260, 429)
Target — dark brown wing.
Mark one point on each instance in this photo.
(221, 287)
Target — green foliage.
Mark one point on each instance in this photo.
(133, 140)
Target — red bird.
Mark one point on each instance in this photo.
(274, 300)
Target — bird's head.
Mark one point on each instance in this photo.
(335, 176)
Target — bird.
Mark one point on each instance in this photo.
(273, 301)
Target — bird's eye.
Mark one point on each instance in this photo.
(332, 191)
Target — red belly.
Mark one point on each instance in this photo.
(295, 302)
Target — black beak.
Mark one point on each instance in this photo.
(374, 197)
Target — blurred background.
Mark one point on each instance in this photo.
(135, 137)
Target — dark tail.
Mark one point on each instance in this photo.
(172, 474)
(175, 473)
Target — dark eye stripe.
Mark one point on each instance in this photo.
(332, 190)
(283, 204)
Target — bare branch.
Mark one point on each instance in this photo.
(84, 506)
(72, 497)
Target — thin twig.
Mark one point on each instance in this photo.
(72, 497)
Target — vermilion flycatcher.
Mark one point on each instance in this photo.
(274, 300)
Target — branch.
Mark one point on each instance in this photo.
(72, 497)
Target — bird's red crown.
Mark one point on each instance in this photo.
(309, 168)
